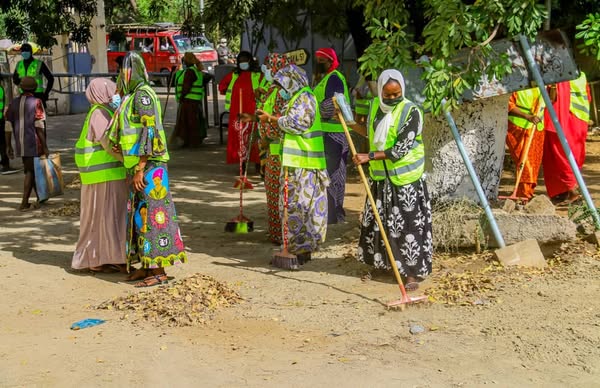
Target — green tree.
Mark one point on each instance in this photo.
(589, 34)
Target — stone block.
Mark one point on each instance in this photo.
(526, 253)
(594, 238)
(517, 227)
(540, 204)
(509, 206)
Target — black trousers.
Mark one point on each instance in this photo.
(4, 161)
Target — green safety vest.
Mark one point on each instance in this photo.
(580, 105)
(197, 91)
(1, 102)
(268, 106)
(526, 99)
(34, 70)
(306, 150)
(409, 168)
(94, 163)
(330, 125)
(234, 77)
(361, 105)
(130, 130)
(178, 86)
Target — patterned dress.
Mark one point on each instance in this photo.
(404, 210)
(153, 235)
(307, 188)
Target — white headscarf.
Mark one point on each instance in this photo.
(381, 132)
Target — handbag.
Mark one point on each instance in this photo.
(48, 176)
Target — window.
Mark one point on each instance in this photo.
(144, 45)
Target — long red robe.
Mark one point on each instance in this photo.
(558, 176)
(243, 84)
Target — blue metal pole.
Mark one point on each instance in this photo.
(559, 130)
(474, 178)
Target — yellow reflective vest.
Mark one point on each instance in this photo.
(527, 102)
(580, 105)
(330, 125)
(306, 150)
(411, 166)
(234, 77)
(34, 70)
(94, 163)
(197, 91)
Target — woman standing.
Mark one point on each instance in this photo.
(102, 231)
(303, 161)
(240, 85)
(153, 236)
(396, 163)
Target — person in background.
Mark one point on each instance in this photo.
(329, 81)
(362, 97)
(103, 215)
(5, 168)
(525, 119)
(223, 52)
(31, 67)
(303, 162)
(26, 116)
(153, 235)
(396, 164)
(241, 85)
(571, 101)
(190, 88)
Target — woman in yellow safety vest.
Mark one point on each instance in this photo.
(189, 91)
(303, 161)
(396, 164)
(240, 86)
(153, 235)
(102, 230)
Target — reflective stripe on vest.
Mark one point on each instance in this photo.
(580, 105)
(526, 101)
(234, 77)
(330, 125)
(306, 150)
(197, 91)
(94, 163)
(411, 166)
(34, 70)
(268, 106)
(130, 131)
(1, 102)
(178, 84)
(361, 105)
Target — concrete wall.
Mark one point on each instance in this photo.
(482, 125)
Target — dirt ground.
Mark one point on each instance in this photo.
(319, 326)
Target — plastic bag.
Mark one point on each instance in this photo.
(345, 108)
(85, 323)
(48, 176)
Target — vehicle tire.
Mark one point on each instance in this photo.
(164, 80)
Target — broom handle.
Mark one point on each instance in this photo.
(388, 248)
(523, 158)
(285, 208)
(241, 137)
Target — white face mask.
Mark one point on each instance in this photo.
(267, 72)
(244, 65)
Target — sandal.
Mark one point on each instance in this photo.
(30, 206)
(137, 274)
(153, 280)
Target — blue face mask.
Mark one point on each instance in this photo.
(26, 55)
(267, 72)
(284, 94)
(115, 102)
(244, 65)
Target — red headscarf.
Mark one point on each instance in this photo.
(328, 53)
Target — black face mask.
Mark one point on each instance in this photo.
(321, 68)
(392, 101)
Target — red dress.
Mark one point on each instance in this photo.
(558, 176)
(242, 85)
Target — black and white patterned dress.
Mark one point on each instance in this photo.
(405, 212)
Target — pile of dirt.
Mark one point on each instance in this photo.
(75, 183)
(187, 302)
(68, 209)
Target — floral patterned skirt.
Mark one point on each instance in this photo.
(272, 187)
(153, 236)
(406, 214)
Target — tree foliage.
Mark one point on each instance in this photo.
(589, 34)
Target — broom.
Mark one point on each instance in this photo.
(339, 100)
(243, 181)
(241, 223)
(284, 259)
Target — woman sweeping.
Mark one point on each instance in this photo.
(396, 163)
(153, 236)
(240, 85)
(102, 231)
(303, 161)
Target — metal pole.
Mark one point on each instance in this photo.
(202, 15)
(549, 9)
(559, 130)
(474, 178)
